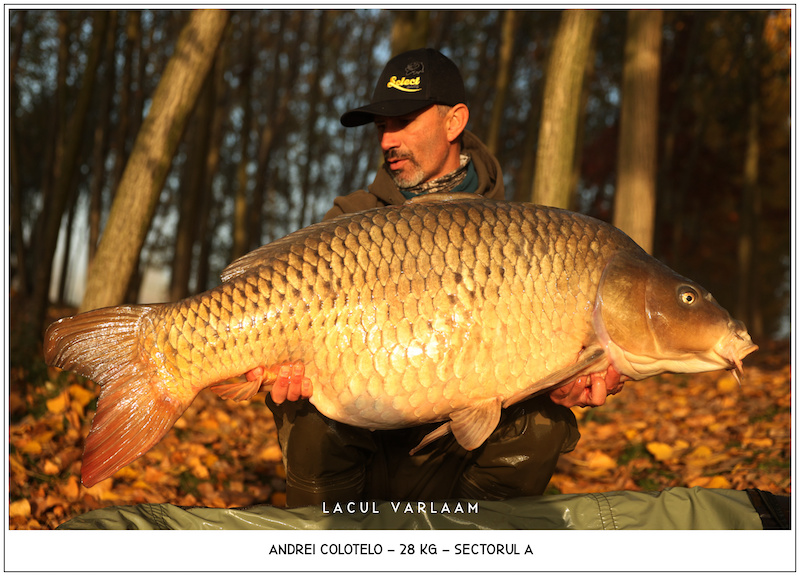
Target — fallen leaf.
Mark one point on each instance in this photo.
(702, 452)
(71, 489)
(758, 442)
(660, 451)
(19, 508)
(600, 461)
(32, 447)
(50, 468)
(270, 454)
(58, 404)
(198, 469)
(80, 395)
(680, 444)
(727, 383)
(102, 490)
(126, 473)
(710, 482)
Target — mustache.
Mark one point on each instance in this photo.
(395, 154)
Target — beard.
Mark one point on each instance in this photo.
(411, 175)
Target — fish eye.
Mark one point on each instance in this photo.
(688, 295)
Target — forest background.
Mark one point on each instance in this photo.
(673, 124)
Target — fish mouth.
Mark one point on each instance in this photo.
(735, 347)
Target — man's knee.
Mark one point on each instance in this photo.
(325, 460)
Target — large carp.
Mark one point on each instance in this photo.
(444, 309)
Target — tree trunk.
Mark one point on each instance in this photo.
(151, 157)
(635, 201)
(54, 209)
(205, 224)
(410, 30)
(65, 257)
(276, 119)
(241, 239)
(126, 87)
(53, 152)
(15, 199)
(502, 79)
(100, 145)
(314, 101)
(191, 190)
(748, 308)
(566, 68)
(670, 199)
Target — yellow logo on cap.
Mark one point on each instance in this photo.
(404, 84)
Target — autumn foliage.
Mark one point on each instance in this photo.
(689, 430)
(701, 430)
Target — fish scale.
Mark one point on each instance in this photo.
(443, 309)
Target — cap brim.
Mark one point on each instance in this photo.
(388, 108)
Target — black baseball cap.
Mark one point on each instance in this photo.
(409, 82)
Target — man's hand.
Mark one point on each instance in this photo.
(289, 384)
(589, 390)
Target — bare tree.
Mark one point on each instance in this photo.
(566, 68)
(151, 157)
(503, 78)
(635, 202)
(241, 240)
(67, 161)
(748, 305)
(193, 178)
(101, 139)
(410, 30)
(15, 199)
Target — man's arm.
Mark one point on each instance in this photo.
(354, 202)
(589, 390)
(289, 384)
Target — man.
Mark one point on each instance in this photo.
(419, 110)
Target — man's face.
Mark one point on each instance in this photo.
(415, 146)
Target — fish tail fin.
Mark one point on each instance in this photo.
(134, 409)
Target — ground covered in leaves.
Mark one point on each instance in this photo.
(702, 430)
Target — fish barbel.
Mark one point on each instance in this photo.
(445, 309)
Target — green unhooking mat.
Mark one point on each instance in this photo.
(670, 509)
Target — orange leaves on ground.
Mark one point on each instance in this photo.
(678, 430)
(703, 430)
(220, 454)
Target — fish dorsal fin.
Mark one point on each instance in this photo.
(242, 264)
(592, 359)
(444, 197)
(269, 252)
(252, 260)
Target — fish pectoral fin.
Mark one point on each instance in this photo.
(589, 361)
(235, 389)
(472, 426)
